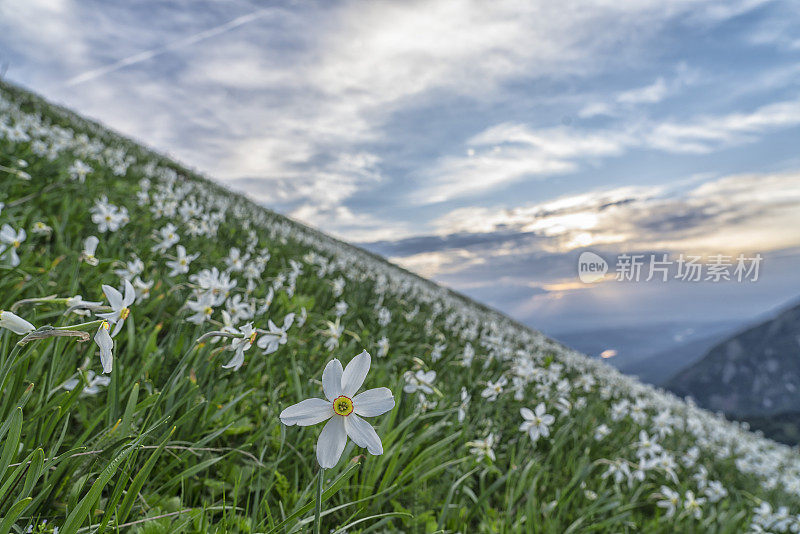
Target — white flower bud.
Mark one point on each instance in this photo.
(15, 323)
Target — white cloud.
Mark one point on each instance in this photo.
(649, 94)
(41, 27)
(710, 133)
(507, 153)
(435, 264)
(629, 100)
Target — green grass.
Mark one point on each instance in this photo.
(176, 443)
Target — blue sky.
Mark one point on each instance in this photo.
(484, 145)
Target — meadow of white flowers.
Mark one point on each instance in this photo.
(175, 358)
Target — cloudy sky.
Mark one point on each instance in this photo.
(483, 144)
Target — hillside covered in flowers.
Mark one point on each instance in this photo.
(175, 358)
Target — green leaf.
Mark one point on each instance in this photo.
(327, 494)
(85, 506)
(12, 442)
(139, 480)
(13, 514)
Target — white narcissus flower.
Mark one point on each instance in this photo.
(180, 265)
(77, 300)
(119, 305)
(601, 432)
(106, 344)
(537, 423)
(235, 260)
(132, 269)
(272, 340)
(343, 410)
(168, 236)
(15, 323)
(89, 249)
(493, 389)
(715, 491)
(10, 240)
(203, 307)
(93, 381)
(419, 381)
(383, 347)
(78, 171)
(142, 288)
(462, 408)
(301, 320)
(108, 217)
(483, 448)
(334, 332)
(670, 502)
(267, 303)
(693, 504)
(240, 345)
(40, 228)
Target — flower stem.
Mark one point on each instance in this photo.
(81, 326)
(318, 505)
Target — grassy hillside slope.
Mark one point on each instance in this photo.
(236, 313)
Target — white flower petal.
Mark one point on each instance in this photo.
(236, 362)
(363, 434)
(331, 442)
(526, 413)
(306, 413)
(117, 328)
(111, 316)
(70, 384)
(332, 379)
(355, 373)
(106, 344)
(373, 402)
(90, 245)
(130, 294)
(7, 234)
(114, 297)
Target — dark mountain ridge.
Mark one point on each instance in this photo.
(754, 373)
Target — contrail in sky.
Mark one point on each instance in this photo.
(149, 54)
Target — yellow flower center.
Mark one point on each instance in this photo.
(253, 337)
(16, 243)
(124, 313)
(209, 310)
(105, 325)
(343, 405)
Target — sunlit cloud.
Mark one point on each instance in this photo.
(742, 212)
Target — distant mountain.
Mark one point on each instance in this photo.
(654, 352)
(783, 427)
(659, 368)
(754, 373)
